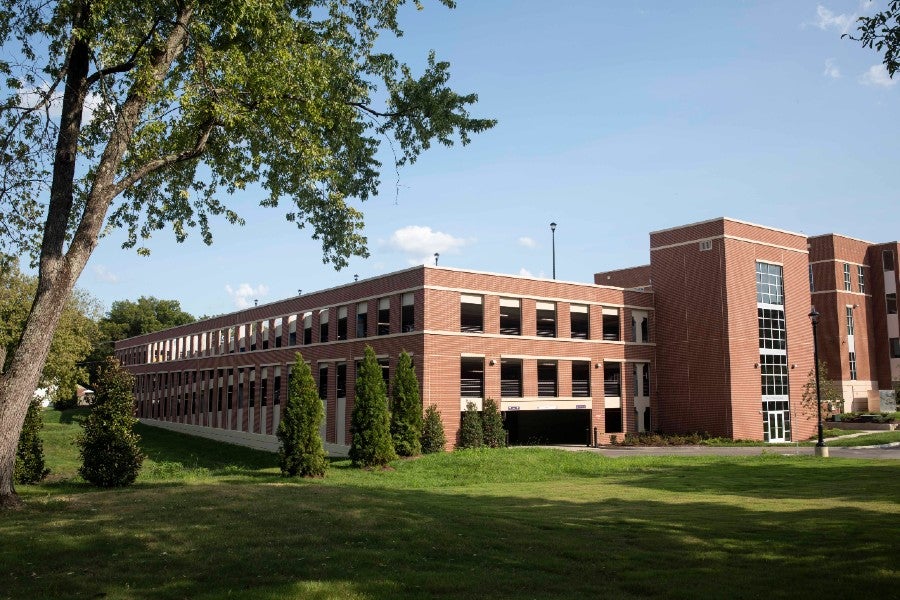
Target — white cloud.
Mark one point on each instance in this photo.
(831, 69)
(527, 242)
(35, 95)
(877, 75)
(105, 275)
(420, 243)
(523, 272)
(826, 19)
(244, 295)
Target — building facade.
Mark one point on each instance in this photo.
(713, 335)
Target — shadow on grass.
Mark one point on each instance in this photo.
(320, 540)
(73, 415)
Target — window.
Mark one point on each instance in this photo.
(891, 301)
(581, 379)
(895, 347)
(640, 326)
(849, 320)
(853, 365)
(265, 335)
(341, 380)
(612, 379)
(307, 328)
(471, 377)
(847, 285)
(230, 394)
(323, 325)
(645, 379)
(580, 321)
(613, 420)
(254, 331)
(769, 284)
(510, 378)
(384, 316)
(611, 324)
(362, 319)
(774, 374)
(252, 384)
(278, 332)
(546, 319)
(471, 314)
(887, 258)
(240, 394)
(407, 313)
(861, 279)
(772, 333)
(323, 382)
(276, 391)
(546, 376)
(263, 386)
(705, 245)
(385, 365)
(510, 316)
(812, 282)
(342, 323)
(292, 330)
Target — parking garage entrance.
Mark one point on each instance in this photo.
(544, 427)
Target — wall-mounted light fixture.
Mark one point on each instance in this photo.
(492, 362)
(755, 365)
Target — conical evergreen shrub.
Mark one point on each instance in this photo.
(30, 467)
(492, 424)
(301, 452)
(406, 409)
(110, 456)
(371, 445)
(471, 433)
(433, 439)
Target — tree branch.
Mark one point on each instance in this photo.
(128, 64)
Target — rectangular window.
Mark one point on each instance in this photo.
(385, 365)
(384, 316)
(240, 395)
(645, 377)
(769, 284)
(252, 384)
(611, 329)
(292, 330)
(341, 380)
(263, 386)
(510, 378)
(546, 375)
(254, 331)
(887, 258)
(581, 379)
(772, 332)
(812, 282)
(230, 394)
(407, 313)
(323, 325)
(613, 420)
(362, 320)
(278, 332)
(546, 319)
(580, 321)
(276, 391)
(342, 323)
(612, 379)
(848, 287)
(895, 347)
(891, 302)
(265, 335)
(510, 316)
(471, 377)
(861, 279)
(853, 365)
(774, 374)
(307, 328)
(323, 382)
(471, 314)
(849, 320)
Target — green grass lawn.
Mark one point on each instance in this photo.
(871, 439)
(208, 520)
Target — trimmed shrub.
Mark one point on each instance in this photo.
(30, 467)
(110, 456)
(433, 439)
(300, 451)
(406, 409)
(66, 402)
(370, 424)
(471, 433)
(492, 424)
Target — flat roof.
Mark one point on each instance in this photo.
(716, 219)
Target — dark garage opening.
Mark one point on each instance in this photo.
(536, 427)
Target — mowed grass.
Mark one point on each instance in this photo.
(208, 520)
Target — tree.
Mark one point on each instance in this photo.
(882, 32)
(110, 455)
(406, 409)
(492, 424)
(471, 433)
(370, 424)
(832, 398)
(144, 115)
(300, 451)
(30, 466)
(433, 439)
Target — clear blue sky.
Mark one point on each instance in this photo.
(615, 119)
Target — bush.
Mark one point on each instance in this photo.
(492, 425)
(66, 402)
(406, 409)
(30, 467)
(371, 423)
(471, 433)
(433, 439)
(300, 451)
(110, 456)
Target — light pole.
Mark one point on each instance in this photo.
(437, 255)
(821, 448)
(553, 234)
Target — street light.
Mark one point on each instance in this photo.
(553, 233)
(437, 255)
(821, 448)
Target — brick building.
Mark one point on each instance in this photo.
(712, 335)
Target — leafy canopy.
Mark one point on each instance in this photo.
(187, 100)
(881, 31)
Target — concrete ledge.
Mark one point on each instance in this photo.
(861, 426)
(257, 441)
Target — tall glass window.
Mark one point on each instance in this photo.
(848, 287)
(773, 366)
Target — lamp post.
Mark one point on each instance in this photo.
(821, 448)
(437, 255)
(553, 234)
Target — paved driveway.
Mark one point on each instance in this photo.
(886, 452)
